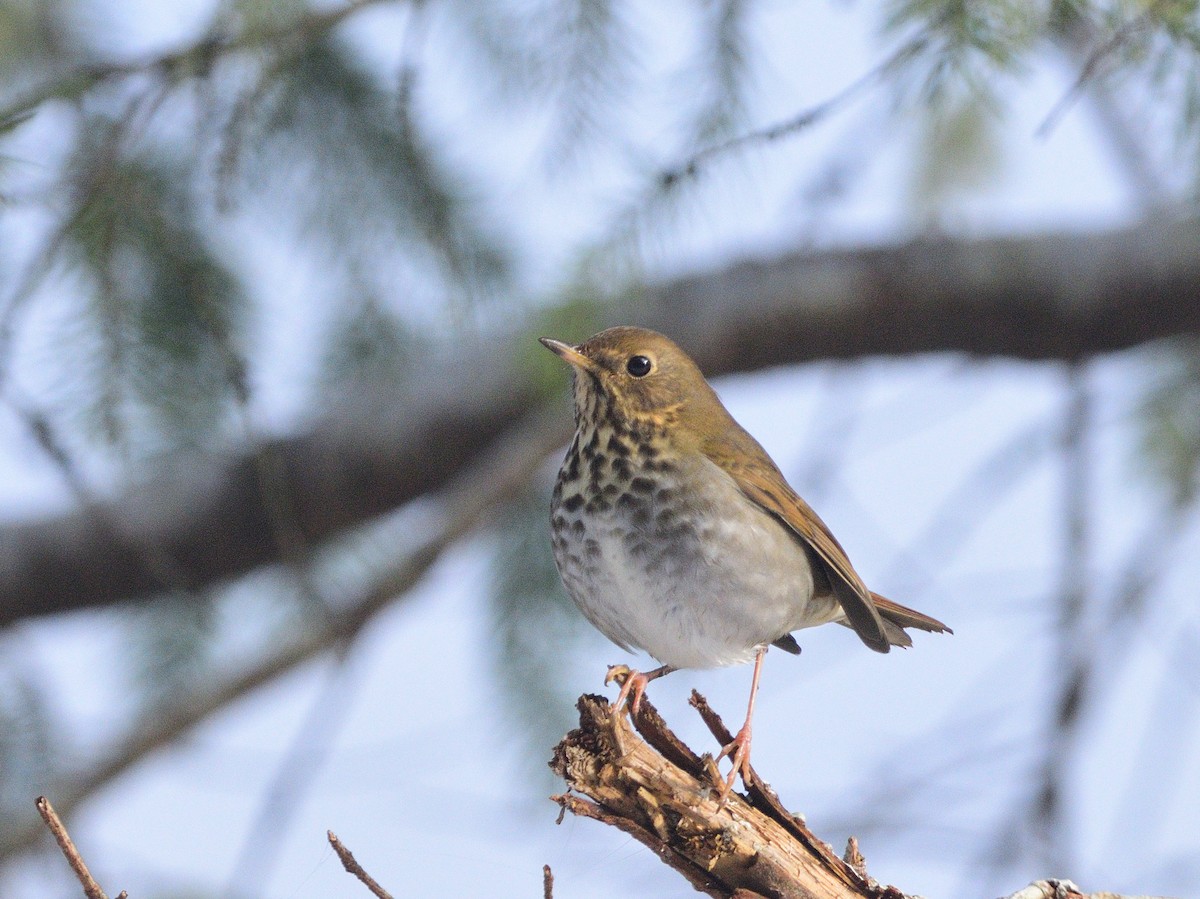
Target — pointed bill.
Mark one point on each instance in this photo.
(568, 353)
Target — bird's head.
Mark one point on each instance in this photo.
(636, 376)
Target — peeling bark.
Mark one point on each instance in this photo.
(633, 773)
(665, 796)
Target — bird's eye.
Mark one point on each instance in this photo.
(638, 366)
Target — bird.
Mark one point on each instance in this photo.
(676, 534)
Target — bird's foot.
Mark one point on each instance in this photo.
(738, 751)
(633, 685)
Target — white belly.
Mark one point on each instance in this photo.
(693, 594)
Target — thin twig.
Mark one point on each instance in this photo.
(691, 167)
(350, 863)
(90, 888)
(193, 60)
(547, 882)
(1076, 38)
(1090, 67)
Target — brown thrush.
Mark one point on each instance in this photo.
(676, 534)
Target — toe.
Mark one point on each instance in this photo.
(618, 673)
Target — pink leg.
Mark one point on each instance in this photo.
(739, 749)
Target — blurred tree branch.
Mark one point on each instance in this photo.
(1085, 46)
(193, 60)
(464, 504)
(1049, 297)
(295, 776)
(1075, 654)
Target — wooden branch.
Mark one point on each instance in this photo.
(1050, 296)
(353, 867)
(656, 789)
(665, 796)
(91, 889)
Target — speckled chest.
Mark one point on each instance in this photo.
(617, 483)
(661, 552)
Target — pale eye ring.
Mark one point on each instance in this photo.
(639, 366)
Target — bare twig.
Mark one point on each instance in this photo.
(692, 166)
(1091, 67)
(350, 863)
(1077, 39)
(547, 882)
(91, 889)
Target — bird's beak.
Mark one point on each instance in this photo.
(569, 353)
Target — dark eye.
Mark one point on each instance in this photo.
(638, 366)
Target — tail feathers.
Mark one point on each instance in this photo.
(906, 617)
(896, 635)
(897, 617)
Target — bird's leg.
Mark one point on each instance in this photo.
(739, 749)
(633, 684)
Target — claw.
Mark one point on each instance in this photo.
(618, 673)
(633, 685)
(738, 751)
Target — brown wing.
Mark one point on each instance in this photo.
(741, 457)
